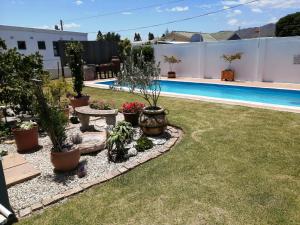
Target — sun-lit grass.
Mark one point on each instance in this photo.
(235, 165)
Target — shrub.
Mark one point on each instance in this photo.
(288, 25)
(102, 105)
(74, 52)
(143, 144)
(120, 135)
(146, 50)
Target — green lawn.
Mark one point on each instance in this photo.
(235, 165)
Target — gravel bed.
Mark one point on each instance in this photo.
(52, 183)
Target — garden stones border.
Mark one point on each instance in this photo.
(174, 135)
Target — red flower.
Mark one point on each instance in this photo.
(132, 107)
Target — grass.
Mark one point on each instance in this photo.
(235, 165)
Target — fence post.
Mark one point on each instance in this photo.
(260, 62)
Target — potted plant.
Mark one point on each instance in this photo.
(143, 79)
(132, 111)
(228, 74)
(74, 53)
(171, 60)
(121, 134)
(64, 156)
(26, 136)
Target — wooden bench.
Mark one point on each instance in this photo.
(85, 112)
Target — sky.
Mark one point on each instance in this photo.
(114, 15)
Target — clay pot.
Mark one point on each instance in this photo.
(132, 118)
(171, 75)
(26, 140)
(78, 102)
(227, 75)
(65, 161)
(153, 122)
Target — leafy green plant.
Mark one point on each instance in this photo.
(57, 89)
(142, 78)
(26, 125)
(171, 60)
(146, 51)
(121, 134)
(52, 119)
(232, 57)
(74, 52)
(143, 144)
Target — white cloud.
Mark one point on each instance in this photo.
(279, 4)
(158, 9)
(70, 26)
(126, 13)
(233, 22)
(233, 13)
(78, 2)
(256, 10)
(178, 9)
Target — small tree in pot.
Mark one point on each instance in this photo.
(74, 52)
(228, 74)
(143, 79)
(171, 60)
(53, 121)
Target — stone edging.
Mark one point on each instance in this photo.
(176, 136)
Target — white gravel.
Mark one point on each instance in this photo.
(51, 183)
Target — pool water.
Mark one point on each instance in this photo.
(281, 97)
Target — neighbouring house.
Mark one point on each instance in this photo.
(267, 30)
(45, 41)
(185, 37)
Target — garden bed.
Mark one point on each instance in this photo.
(51, 187)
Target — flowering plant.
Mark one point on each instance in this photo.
(102, 105)
(132, 107)
(27, 125)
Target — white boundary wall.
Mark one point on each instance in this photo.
(265, 59)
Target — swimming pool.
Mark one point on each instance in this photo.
(270, 96)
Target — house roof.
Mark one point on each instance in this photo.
(223, 35)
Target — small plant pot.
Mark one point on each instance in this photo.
(65, 161)
(26, 140)
(132, 118)
(171, 74)
(227, 75)
(153, 122)
(78, 102)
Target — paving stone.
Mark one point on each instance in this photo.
(111, 174)
(57, 198)
(25, 212)
(72, 191)
(36, 206)
(122, 169)
(47, 201)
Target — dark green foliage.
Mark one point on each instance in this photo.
(150, 36)
(52, 119)
(4, 130)
(2, 44)
(288, 25)
(143, 144)
(137, 37)
(120, 135)
(16, 72)
(74, 53)
(110, 36)
(124, 48)
(99, 36)
(146, 50)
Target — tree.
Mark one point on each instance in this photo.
(2, 44)
(124, 48)
(99, 36)
(112, 36)
(137, 37)
(150, 36)
(288, 25)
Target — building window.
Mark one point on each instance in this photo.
(55, 48)
(21, 45)
(41, 45)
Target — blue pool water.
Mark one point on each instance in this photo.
(272, 96)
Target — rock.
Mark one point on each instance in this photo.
(131, 152)
(157, 141)
(92, 142)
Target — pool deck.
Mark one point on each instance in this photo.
(289, 86)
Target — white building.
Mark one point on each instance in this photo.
(44, 41)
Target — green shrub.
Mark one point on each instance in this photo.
(143, 144)
(146, 50)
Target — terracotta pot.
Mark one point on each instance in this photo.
(227, 75)
(26, 140)
(78, 102)
(132, 118)
(65, 161)
(171, 75)
(153, 122)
